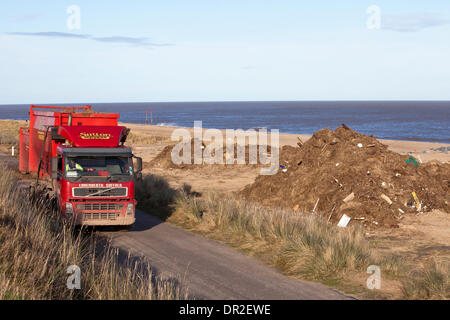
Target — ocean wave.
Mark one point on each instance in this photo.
(167, 124)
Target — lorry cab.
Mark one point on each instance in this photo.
(95, 186)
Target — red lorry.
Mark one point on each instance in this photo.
(83, 154)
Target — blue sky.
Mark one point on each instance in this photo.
(223, 51)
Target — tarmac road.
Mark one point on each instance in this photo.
(209, 269)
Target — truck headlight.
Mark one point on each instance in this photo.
(130, 209)
(69, 209)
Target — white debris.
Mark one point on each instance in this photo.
(401, 211)
(345, 219)
(386, 198)
(360, 145)
(350, 197)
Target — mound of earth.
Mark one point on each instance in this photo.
(164, 158)
(343, 172)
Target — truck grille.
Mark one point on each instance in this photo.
(100, 206)
(100, 192)
(100, 216)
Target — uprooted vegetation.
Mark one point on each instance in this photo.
(36, 249)
(343, 172)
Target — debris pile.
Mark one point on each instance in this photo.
(164, 158)
(342, 172)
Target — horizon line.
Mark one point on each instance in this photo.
(222, 101)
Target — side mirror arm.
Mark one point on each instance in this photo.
(54, 168)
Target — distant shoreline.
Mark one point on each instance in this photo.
(415, 148)
(425, 121)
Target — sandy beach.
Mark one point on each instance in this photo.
(423, 149)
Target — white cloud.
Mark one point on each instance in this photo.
(412, 22)
(136, 41)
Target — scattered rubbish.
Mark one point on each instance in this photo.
(295, 208)
(332, 211)
(386, 198)
(442, 149)
(282, 167)
(345, 219)
(374, 222)
(384, 185)
(368, 173)
(337, 181)
(410, 204)
(300, 142)
(315, 206)
(362, 218)
(416, 199)
(299, 163)
(371, 146)
(360, 145)
(412, 161)
(284, 170)
(401, 211)
(337, 164)
(333, 142)
(350, 197)
(420, 160)
(397, 174)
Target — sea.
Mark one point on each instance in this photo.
(397, 120)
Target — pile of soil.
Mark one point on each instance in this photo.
(340, 164)
(164, 158)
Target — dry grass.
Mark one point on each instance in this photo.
(142, 138)
(431, 282)
(154, 195)
(36, 248)
(9, 134)
(303, 246)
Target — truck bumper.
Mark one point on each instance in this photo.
(102, 213)
(122, 221)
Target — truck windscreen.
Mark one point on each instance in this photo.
(100, 166)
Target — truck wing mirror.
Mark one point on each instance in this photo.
(138, 164)
(54, 168)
